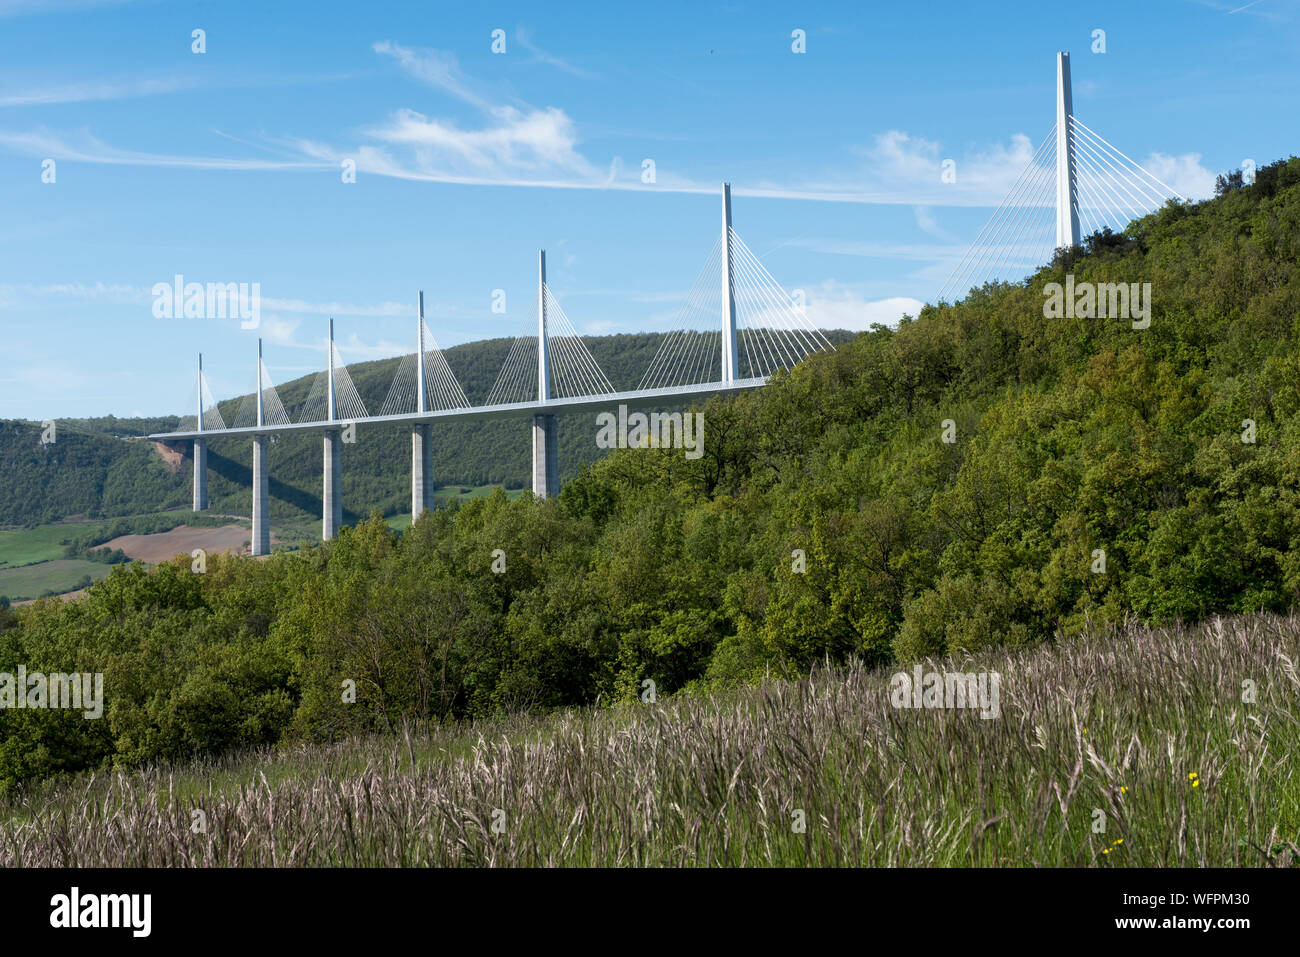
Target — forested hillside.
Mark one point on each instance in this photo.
(91, 470)
(81, 472)
(1095, 471)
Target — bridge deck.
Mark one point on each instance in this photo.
(586, 403)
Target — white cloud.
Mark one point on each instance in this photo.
(280, 331)
(520, 145)
(513, 143)
(1183, 174)
(834, 305)
(355, 350)
(516, 144)
(908, 165)
(291, 334)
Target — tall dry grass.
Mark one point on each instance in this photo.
(1114, 723)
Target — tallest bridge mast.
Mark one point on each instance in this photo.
(1067, 187)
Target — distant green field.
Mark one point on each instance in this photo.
(25, 546)
(464, 493)
(54, 577)
(28, 546)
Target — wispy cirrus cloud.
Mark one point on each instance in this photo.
(86, 291)
(925, 219)
(99, 291)
(435, 68)
(377, 310)
(95, 91)
(516, 144)
(911, 169)
(101, 90)
(1264, 9)
(86, 148)
(524, 37)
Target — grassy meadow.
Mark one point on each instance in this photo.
(49, 578)
(1142, 732)
(35, 561)
(27, 546)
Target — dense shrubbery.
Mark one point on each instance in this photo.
(1074, 436)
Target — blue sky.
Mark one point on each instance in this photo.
(226, 166)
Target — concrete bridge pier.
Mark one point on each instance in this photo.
(200, 451)
(261, 530)
(332, 519)
(421, 470)
(200, 474)
(546, 470)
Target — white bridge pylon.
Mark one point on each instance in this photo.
(763, 327)
(208, 414)
(1076, 184)
(424, 380)
(554, 363)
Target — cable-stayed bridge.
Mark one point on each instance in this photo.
(735, 328)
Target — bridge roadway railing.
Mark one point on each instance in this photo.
(638, 399)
